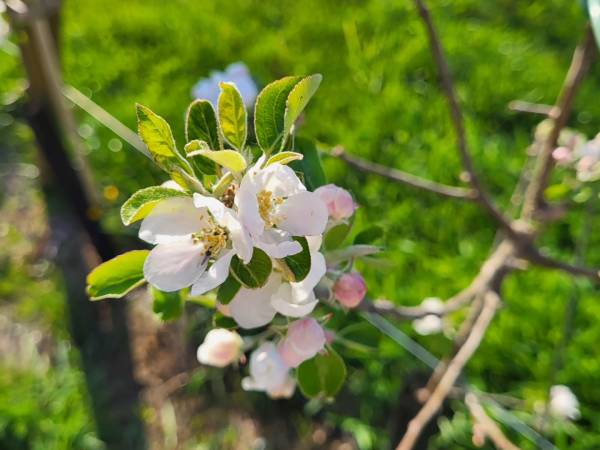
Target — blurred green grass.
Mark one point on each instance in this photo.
(380, 99)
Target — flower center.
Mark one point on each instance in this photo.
(214, 239)
(266, 202)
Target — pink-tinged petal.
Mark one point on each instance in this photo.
(174, 266)
(303, 214)
(172, 220)
(214, 276)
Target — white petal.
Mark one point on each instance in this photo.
(172, 220)
(278, 244)
(214, 276)
(280, 180)
(240, 238)
(216, 208)
(174, 266)
(303, 214)
(247, 206)
(314, 242)
(251, 308)
(285, 303)
(318, 268)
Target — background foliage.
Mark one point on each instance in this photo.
(380, 99)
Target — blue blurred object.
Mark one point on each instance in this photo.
(237, 73)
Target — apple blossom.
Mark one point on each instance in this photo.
(268, 372)
(563, 403)
(340, 204)
(562, 155)
(188, 234)
(273, 205)
(304, 339)
(251, 308)
(220, 348)
(430, 323)
(350, 289)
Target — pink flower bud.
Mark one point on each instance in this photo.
(220, 348)
(562, 155)
(305, 338)
(350, 289)
(339, 202)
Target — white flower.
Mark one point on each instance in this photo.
(297, 299)
(188, 234)
(430, 323)
(305, 338)
(563, 403)
(274, 205)
(268, 372)
(237, 73)
(220, 348)
(251, 308)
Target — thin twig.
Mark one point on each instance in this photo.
(487, 425)
(455, 367)
(573, 269)
(560, 114)
(457, 120)
(403, 177)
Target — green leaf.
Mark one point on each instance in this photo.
(227, 290)
(353, 251)
(310, 166)
(322, 375)
(167, 305)
(297, 100)
(284, 158)
(201, 163)
(369, 235)
(299, 264)
(230, 159)
(254, 274)
(143, 201)
(118, 276)
(221, 321)
(232, 116)
(201, 123)
(336, 235)
(594, 12)
(269, 113)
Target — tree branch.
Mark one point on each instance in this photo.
(457, 119)
(560, 114)
(455, 366)
(403, 177)
(545, 261)
(486, 425)
(528, 107)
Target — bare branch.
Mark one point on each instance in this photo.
(486, 425)
(455, 366)
(560, 114)
(457, 119)
(528, 107)
(546, 261)
(403, 177)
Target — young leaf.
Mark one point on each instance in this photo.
(322, 375)
(299, 264)
(297, 101)
(254, 274)
(201, 123)
(336, 235)
(167, 305)
(118, 276)
(143, 201)
(230, 159)
(310, 166)
(284, 158)
(227, 290)
(232, 116)
(269, 113)
(353, 251)
(221, 321)
(202, 163)
(369, 235)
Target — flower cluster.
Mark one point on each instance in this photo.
(253, 229)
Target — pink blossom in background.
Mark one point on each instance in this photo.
(304, 339)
